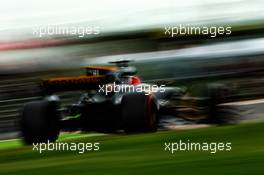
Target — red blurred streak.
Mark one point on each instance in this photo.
(134, 80)
(4, 46)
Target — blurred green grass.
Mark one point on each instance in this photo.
(144, 154)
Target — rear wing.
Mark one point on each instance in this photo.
(72, 83)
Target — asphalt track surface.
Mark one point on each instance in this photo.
(249, 110)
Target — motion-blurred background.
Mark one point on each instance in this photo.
(133, 30)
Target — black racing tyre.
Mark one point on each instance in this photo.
(139, 113)
(40, 121)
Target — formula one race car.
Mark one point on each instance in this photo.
(115, 99)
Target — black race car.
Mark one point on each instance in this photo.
(115, 99)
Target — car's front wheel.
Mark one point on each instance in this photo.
(40, 121)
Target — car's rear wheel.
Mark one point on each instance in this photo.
(40, 121)
(139, 113)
